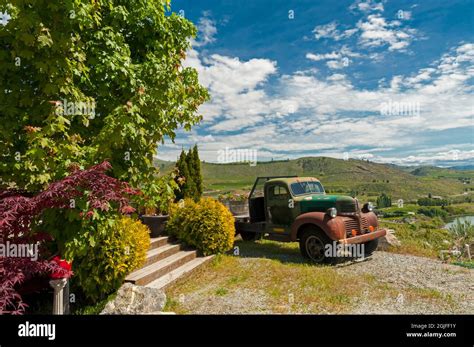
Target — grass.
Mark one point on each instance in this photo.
(277, 273)
(172, 305)
(279, 279)
(427, 238)
(468, 264)
(468, 208)
(221, 291)
(423, 238)
(92, 309)
(405, 209)
(431, 295)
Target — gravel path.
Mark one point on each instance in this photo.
(242, 301)
(411, 272)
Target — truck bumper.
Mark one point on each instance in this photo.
(365, 237)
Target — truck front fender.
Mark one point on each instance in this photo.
(332, 227)
(372, 219)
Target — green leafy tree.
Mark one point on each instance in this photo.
(123, 59)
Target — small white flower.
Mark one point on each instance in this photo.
(4, 18)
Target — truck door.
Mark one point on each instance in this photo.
(278, 211)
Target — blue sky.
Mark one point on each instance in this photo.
(390, 81)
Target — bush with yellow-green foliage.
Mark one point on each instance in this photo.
(206, 225)
(120, 248)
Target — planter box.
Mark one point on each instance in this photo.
(237, 208)
(156, 224)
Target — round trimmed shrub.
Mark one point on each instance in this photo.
(206, 225)
(120, 247)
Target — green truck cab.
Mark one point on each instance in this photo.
(292, 208)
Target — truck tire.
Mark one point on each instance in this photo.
(313, 243)
(370, 247)
(250, 236)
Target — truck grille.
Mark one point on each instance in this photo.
(351, 224)
(365, 223)
(347, 207)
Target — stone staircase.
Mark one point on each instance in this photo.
(166, 261)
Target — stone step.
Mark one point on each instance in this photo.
(155, 254)
(153, 271)
(156, 242)
(180, 272)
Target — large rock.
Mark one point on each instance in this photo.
(132, 299)
(389, 240)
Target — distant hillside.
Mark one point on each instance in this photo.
(438, 172)
(463, 167)
(163, 165)
(338, 176)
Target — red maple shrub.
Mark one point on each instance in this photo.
(25, 219)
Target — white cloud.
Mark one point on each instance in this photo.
(350, 32)
(338, 64)
(330, 31)
(335, 59)
(367, 6)
(318, 57)
(326, 31)
(448, 74)
(433, 156)
(206, 31)
(234, 86)
(347, 52)
(334, 55)
(336, 77)
(376, 32)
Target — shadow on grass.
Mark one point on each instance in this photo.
(281, 251)
(284, 252)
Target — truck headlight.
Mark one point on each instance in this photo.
(368, 207)
(332, 212)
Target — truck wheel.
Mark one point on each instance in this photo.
(250, 236)
(370, 247)
(313, 244)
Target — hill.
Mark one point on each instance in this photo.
(338, 176)
(163, 165)
(463, 167)
(438, 172)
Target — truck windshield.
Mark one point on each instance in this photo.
(310, 187)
